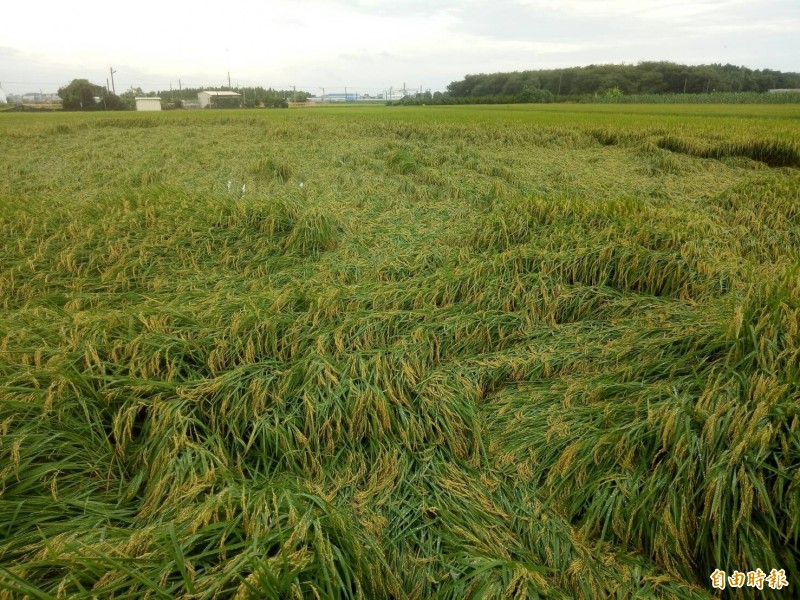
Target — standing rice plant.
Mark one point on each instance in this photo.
(315, 231)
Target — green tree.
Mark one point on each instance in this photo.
(534, 94)
(80, 95)
(129, 97)
(109, 101)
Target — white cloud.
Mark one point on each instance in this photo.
(644, 9)
(377, 43)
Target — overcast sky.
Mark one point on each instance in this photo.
(371, 45)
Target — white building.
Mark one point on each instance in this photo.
(148, 103)
(208, 98)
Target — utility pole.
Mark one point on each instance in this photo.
(171, 98)
(323, 94)
(108, 89)
(229, 80)
(294, 93)
(558, 93)
(345, 93)
(180, 92)
(113, 89)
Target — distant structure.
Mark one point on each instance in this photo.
(35, 98)
(336, 97)
(148, 103)
(218, 99)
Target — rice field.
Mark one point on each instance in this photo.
(453, 352)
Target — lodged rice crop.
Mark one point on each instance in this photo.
(527, 352)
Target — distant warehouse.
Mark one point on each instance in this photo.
(219, 99)
(148, 103)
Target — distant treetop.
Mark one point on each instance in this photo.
(81, 94)
(642, 78)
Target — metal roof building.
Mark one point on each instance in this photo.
(209, 98)
(148, 103)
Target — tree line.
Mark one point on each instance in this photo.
(251, 96)
(81, 94)
(641, 78)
